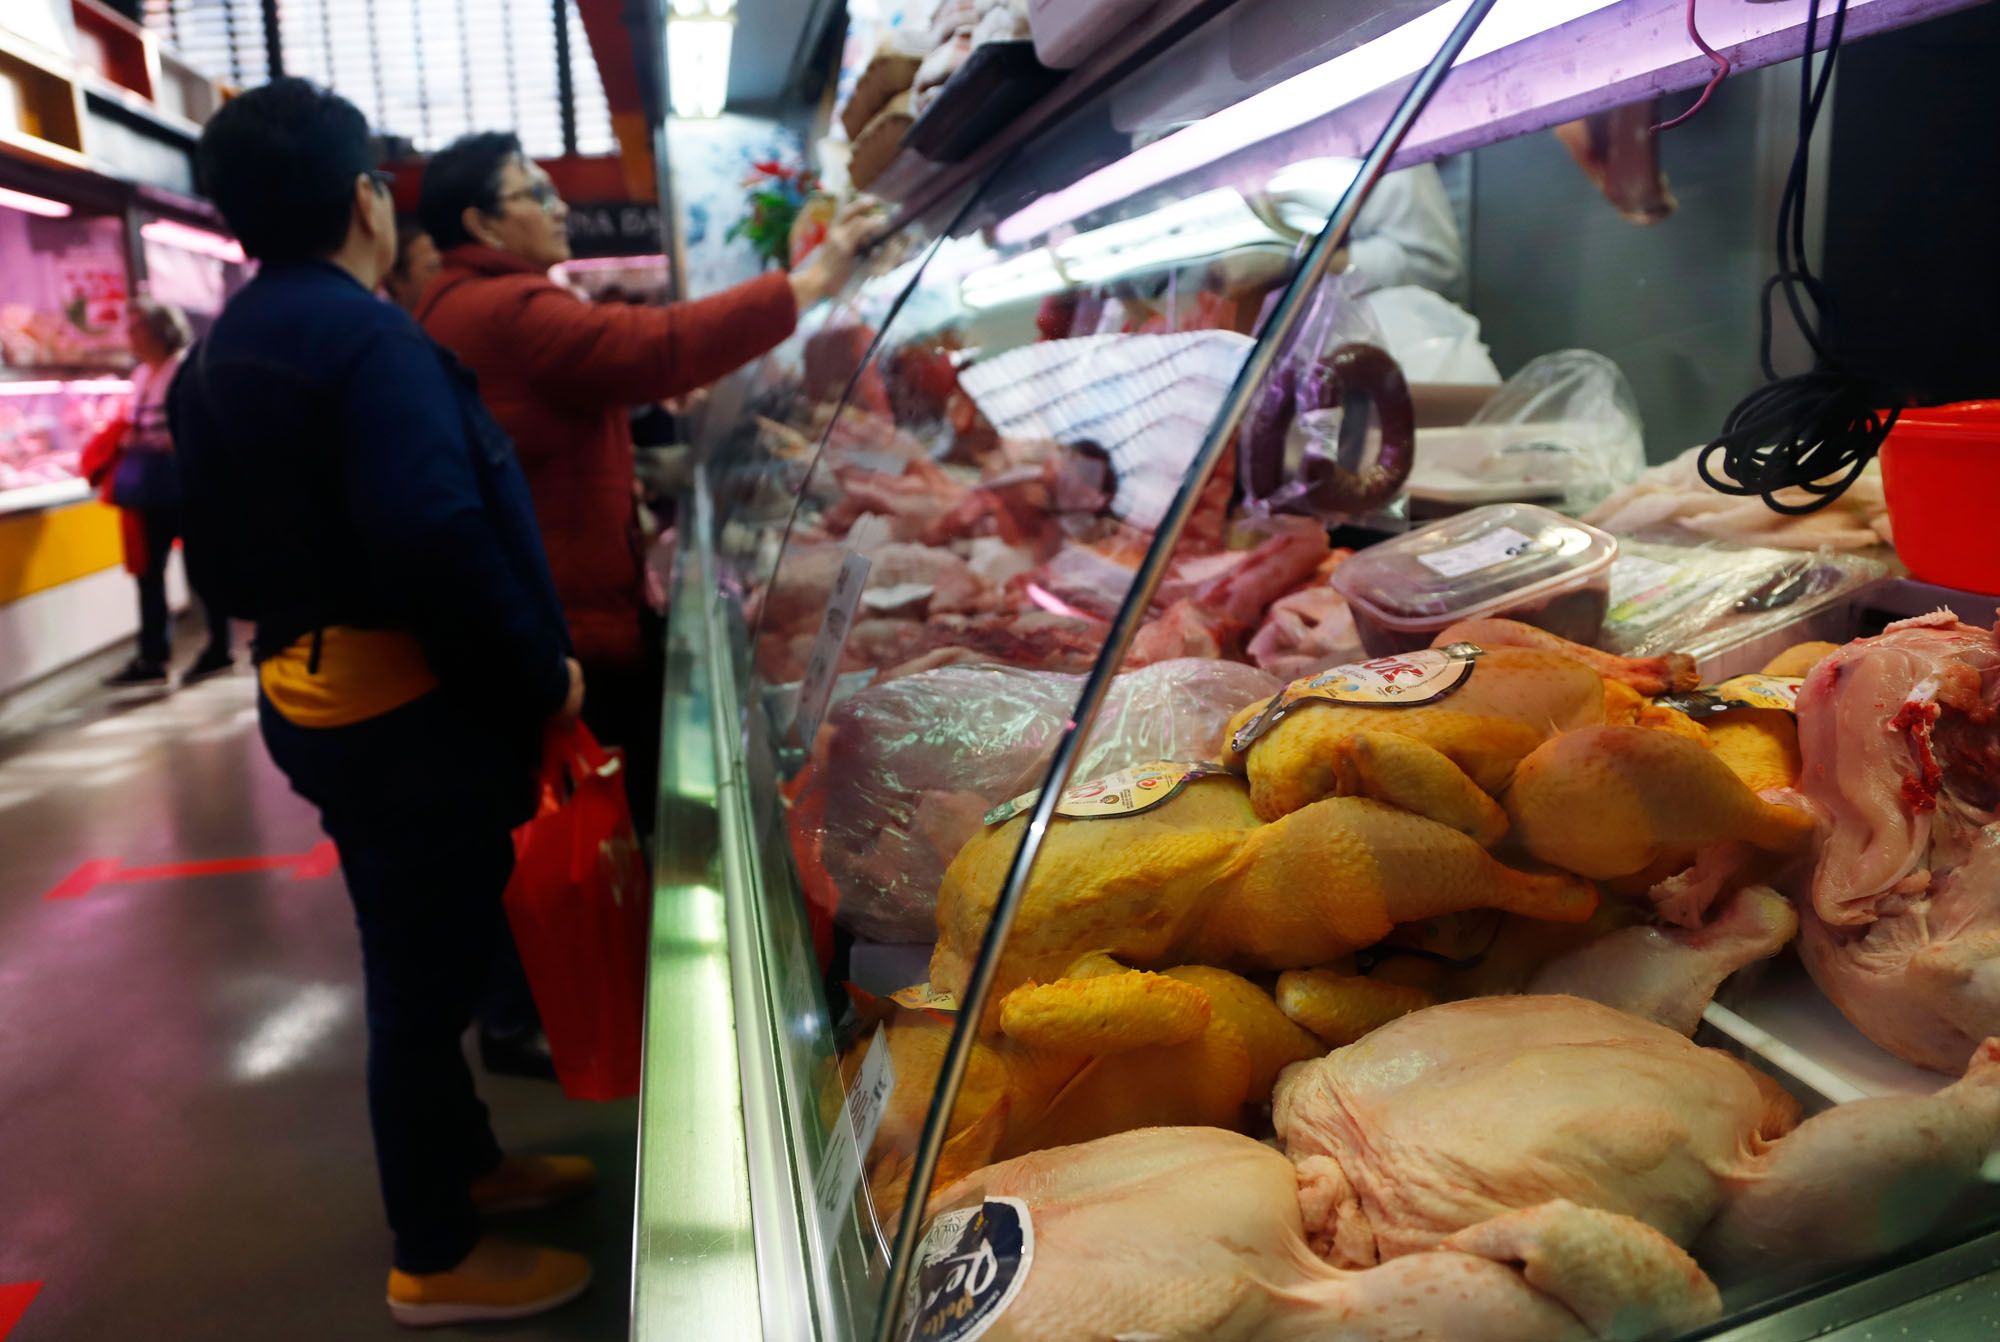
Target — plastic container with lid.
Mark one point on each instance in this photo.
(1940, 476)
(1510, 561)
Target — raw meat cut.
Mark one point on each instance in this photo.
(1306, 632)
(906, 770)
(1456, 1114)
(1194, 1235)
(1901, 757)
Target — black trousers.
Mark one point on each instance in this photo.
(156, 628)
(623, 707)
(420, 805)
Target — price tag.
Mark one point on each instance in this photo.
(1752, 691)
(1404, 680)
(882, 463)
(1635, 575)
(824, 664)
(923, 997)
(1495, 547)
(970, 1265)
(1127, 792)
(839, 1174)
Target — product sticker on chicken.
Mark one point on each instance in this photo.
(1403, 680)
(1779, 692)
(1127, 792)
(969, 1267)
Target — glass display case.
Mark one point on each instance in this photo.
(1037, 953)
(62, 343)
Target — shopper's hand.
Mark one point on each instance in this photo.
(572, 707)
(831, 264)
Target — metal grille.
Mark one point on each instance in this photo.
(426, 70)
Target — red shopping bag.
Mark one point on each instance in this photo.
(579, 906)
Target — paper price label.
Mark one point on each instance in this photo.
(1127, 792)
(839, 1174)
(923, 997)
(1752, 691)
(970, 1265)
(1404, 680)
(1495, 547)
(824, 663)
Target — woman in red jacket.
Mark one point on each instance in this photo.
(561, 375)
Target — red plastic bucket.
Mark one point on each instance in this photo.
(1941, 478)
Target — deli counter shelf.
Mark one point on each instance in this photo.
(916, 529)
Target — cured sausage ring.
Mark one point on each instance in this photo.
(1352, 372)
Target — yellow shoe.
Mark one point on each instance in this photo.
(497, 1280)
(525, 1183)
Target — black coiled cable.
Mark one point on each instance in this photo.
(1813, 431)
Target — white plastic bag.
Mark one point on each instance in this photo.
(1433, 338)
(1564, 429)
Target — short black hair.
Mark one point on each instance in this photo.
(465, 172)
(280, 163)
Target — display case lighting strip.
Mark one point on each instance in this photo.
(104, 386)
(190, 239)
(27, 204)
(1289, 104)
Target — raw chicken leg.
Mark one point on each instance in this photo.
(1900, 736)
(1607, 802)
(1192, 1233)
(1198, 880)
(1861, 1178)
(1669, 975)
(1454, 1115)
(1647, 675)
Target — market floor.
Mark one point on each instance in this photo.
(184, 1148)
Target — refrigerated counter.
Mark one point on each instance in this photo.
(993, 465)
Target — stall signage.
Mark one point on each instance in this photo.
(614, 228)
(970, 1265)
(1404, 680)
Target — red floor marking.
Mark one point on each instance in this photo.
(316, 862)
(14, 1300)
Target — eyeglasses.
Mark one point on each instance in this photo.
(542, 193)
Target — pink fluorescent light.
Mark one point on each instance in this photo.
(190, 239)
(95, 387)
(1289, 104)
(27, 204)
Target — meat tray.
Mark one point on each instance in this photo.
(998, 82)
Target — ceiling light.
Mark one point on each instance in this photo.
(27, 204)
(1289, 104)
(1029, 275)
(190, 239)
(698, 45)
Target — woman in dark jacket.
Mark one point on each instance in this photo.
(149, 487)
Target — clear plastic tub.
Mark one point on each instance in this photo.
(1511, 561)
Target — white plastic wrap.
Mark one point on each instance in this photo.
(907, 770)
(1565, 428)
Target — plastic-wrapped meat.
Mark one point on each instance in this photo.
(1900, 739)
(904, 772)
(1306, 632)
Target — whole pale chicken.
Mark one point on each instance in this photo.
(1459, 1113)
(1198, 879)
(1194, 1235)
(1900, 738)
